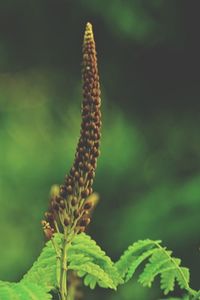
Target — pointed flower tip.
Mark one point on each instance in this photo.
(88, 26)
(88, 32)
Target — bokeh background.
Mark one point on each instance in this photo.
(148, 174)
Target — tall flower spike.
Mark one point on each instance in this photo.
(68, 207)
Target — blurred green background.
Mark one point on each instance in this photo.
(148, 174)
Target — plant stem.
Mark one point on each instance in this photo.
(63, 265)
(58, 258)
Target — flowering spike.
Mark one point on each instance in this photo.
(78, 184)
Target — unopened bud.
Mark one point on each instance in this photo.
(74, 201)
(88, 205)
(66, 221)
(76, 175)
(88, 167)
(55, 206)
(49, 217)
(54, 191)
(86, 155)
(62, 204)
(69, 189)
(81, 181)
(48, 233)
(72, 171)
(90, 175)
(80, 165)
(85, 222)
(63, 192)
(85, 193)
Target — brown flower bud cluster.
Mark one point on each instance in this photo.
(48, 230)
(70, 204)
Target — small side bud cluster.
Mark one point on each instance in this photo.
(69, 204)
(48, 230)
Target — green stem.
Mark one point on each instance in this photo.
(63, 273)
(58, 258)
(67, 239)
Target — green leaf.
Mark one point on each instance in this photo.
(160, 262)
(168, 281)
(93, 274)
(86, 258)
(134, 256)
(22, 291)
(94, 262)
(183, 277)
(43, 271)
(156, 262)
(83, 256)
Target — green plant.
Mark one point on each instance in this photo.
(70, 253)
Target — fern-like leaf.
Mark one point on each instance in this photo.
(22, 291)
(84, 256)
(160, 262)
(134, 256)
(93, 274)
(157, 262)
(43, 271)
(91, 252)
(168, 281)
